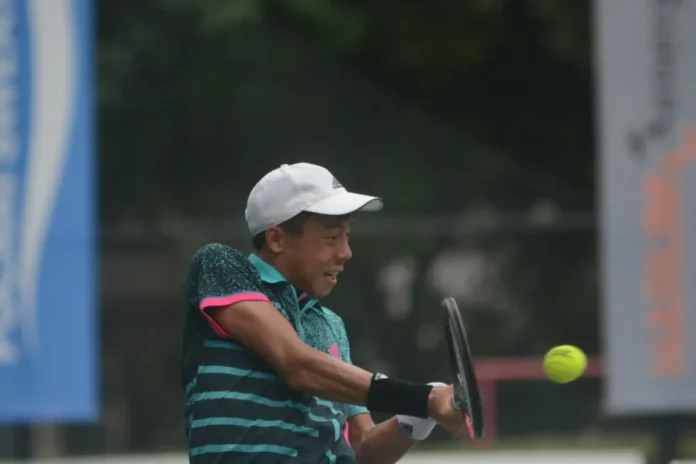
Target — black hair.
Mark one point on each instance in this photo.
(293, 226)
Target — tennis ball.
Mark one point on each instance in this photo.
(564, 363)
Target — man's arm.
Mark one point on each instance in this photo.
(259, 326)
(382, 443)
(388, 441)
(230, 299)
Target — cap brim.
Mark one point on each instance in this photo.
(346, 203)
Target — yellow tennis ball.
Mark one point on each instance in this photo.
(564, 363)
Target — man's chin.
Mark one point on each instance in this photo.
(324, 286)
(322, 291)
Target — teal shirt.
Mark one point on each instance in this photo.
(237, 408)
(317, 325)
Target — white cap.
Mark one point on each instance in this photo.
(293, 188)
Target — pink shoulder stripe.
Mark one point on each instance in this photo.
(232, 299)
(217, 302)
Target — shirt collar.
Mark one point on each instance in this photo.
(268, 273)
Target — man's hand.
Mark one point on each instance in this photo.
(440, 408)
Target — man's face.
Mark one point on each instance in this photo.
(313, 259)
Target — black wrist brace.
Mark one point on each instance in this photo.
(395, 396)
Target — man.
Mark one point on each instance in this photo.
(267, 370)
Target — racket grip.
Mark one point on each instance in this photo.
(456, 404)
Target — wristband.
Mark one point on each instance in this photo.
(395, 396)
(418, 428)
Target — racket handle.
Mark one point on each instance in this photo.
(456, 405)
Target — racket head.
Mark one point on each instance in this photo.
(466, 392)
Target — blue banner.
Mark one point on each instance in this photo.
(48, 292)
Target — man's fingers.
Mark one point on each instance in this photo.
(458, 427)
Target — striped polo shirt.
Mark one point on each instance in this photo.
(237, 408)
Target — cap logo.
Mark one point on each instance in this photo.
(336, 184)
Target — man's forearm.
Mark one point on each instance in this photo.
(385, 443)
(325, 377)
(321, 375)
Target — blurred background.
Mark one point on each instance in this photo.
(505, 152)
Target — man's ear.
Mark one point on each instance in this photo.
(275, 239)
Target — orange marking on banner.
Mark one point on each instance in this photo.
(663, 268)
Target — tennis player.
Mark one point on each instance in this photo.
(267, 370)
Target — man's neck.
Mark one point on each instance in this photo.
(270, 258)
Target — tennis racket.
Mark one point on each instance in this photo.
(466, 393)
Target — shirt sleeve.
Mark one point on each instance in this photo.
(344, 350)
(225, 277)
